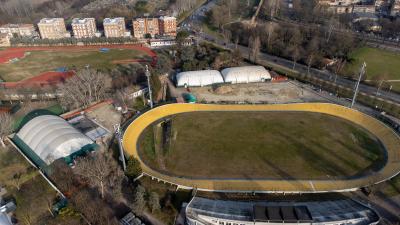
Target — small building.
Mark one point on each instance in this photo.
(245, 74)
(44, 138)
(198, 78)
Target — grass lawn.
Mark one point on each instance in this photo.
(37, 62)
(290, 145)
(379, 63)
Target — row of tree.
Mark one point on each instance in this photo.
(300, 44)
(72, 41)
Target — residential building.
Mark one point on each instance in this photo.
(167, 25)
(163, 26)
(21, 30)
(395, 9)
(115, 27)
(202, 211)
(84, 28)
(53, 28)
(143, 26)
(4, 40)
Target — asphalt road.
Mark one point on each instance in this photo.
(324, 75)
(194, 21)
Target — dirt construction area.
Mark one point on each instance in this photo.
(282, 92)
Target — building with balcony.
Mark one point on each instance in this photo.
(19, 30)
(115, 27)
(84, 28)
(53, 28)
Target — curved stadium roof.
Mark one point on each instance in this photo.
(51, 137)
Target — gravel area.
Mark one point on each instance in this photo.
(283, 92)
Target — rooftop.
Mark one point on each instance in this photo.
(283, 211)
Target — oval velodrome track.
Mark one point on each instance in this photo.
(387, 136)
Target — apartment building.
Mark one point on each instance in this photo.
(84, 28)
(395, 9)
(154, 26)
(21, 30)
(53, 28)
(143, 26)
(168, 25)
(115, 27)
(4, 40)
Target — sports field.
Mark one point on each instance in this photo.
(276, 145)
(380, 62)
(37, 62)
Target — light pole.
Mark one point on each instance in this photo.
(358, 84)
(148, 75)
(379, 88)
(118, 133)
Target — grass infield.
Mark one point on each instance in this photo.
(37, 62)
(275, 145)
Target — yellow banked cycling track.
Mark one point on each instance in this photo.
(386, 135)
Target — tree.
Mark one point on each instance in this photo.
(154, 202)
(97, 169)
(163, 65)
(139, 202)
(6, 126)
(254, 44)
(81, 90)
(17, 181)
(133, 169)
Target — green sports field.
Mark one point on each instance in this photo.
(289, 145)
(37, 62)
(380, 64)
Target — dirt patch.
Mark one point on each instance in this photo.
(283, 92)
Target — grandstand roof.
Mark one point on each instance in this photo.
(279, 212)
(50, 137)
(245, 74)
(198, 78)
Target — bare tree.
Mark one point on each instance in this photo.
(154, 202)
(17, 181)
(96, 169)
(6, 126)
(86, 87)
(254, 44)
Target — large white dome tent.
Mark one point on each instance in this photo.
(198, 78)
(245, 74)
(45, 138)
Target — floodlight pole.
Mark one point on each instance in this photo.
(362, 72)
(121, 149)
(149, 86)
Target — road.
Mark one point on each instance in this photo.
(321, 74)
(195, 20)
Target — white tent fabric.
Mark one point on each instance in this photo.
(51, 137)
(5, 219)
(245, 74)
(198, 78)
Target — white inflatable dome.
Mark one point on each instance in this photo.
(245, 74)
(51, 137)
(198, 78)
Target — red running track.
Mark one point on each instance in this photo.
(53, 78)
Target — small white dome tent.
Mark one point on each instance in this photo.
(198, 78)
(245, 74)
